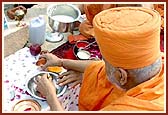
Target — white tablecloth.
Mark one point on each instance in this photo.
(17, 68)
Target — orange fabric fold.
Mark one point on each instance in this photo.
(86, 27)
(128, 37)
(148, 96)
(92, 9)
(97, 93)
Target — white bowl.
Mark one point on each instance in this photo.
(83, 54)
(31, 85)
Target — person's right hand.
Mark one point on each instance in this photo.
(45, 86)
(52, 60)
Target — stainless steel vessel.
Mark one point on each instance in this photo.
(61, 17)
(31, 85)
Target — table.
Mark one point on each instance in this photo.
(19, 64)
(10, 36)
(17, 68)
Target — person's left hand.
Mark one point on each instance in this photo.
(70, 77)
(45, 86)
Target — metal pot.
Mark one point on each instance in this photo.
(62, 17)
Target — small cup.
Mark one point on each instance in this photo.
(81, 44)
(83, 55)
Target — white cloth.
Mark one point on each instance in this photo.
(17, 68)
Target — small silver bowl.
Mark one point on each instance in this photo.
(83, 55)
(31, 85)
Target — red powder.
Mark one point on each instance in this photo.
(81, 44)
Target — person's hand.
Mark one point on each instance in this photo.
(45, 86)
(52, 60)
(70, 77)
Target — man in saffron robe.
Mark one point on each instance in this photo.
(131, 75)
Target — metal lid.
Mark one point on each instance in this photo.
(27, 105)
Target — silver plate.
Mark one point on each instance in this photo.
(31, 85)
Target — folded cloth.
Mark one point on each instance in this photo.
(92, 9)
(128, 37)
(148, 96)
(86, 29)
(97, 93)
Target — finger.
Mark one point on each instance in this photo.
(37, 88)
(64, 74)
(64, 78)
(70, 80)
(44, 56)
(37, 79)
(72, 85)
(49, 77)
(70, 76)
(71, 72)
(44, 52)
(46, 76)
(44, 67)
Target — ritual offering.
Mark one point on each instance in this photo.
(41, 61)
(84, 50)
(55, 69)
(27, 105)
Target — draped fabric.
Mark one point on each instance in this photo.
(97, 93)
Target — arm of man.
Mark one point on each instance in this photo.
(76, 65)
(46, 87)
(53, 102)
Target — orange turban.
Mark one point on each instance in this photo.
(128, 37)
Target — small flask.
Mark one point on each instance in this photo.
(37, 29)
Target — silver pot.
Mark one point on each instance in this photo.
(62, 17)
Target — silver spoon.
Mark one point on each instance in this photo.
(83, 48)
